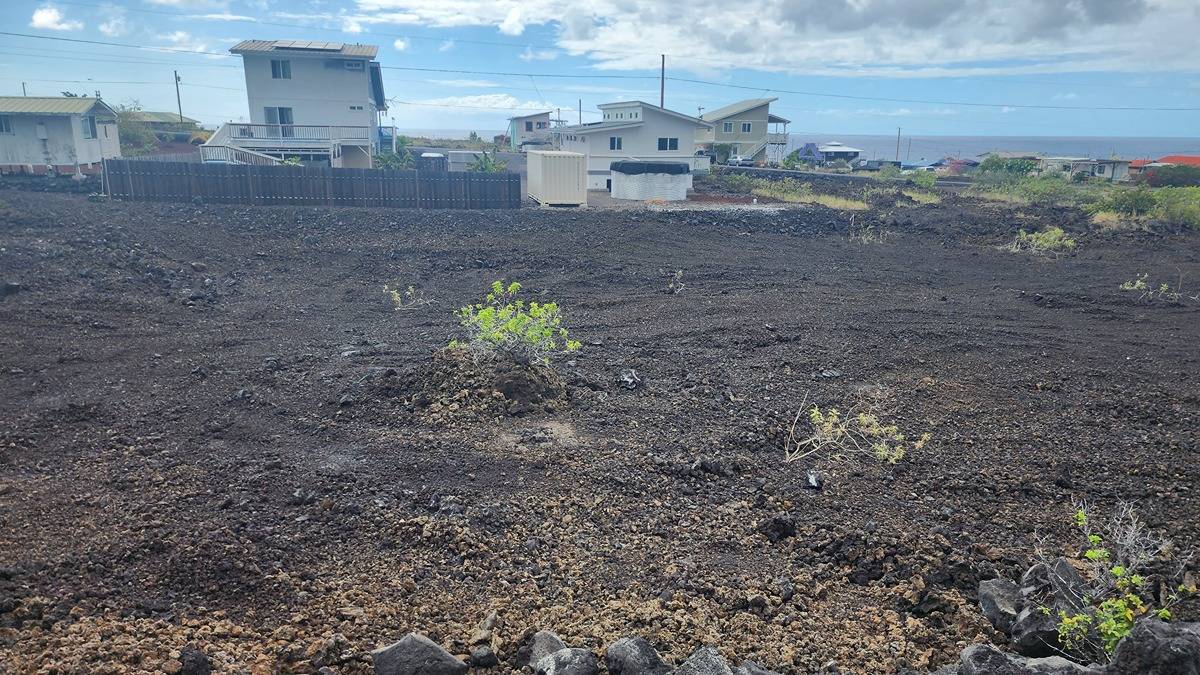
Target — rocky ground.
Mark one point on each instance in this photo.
(218, 437)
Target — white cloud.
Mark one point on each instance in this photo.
(49, 17)
(855, 38)
(186, 41)
(400, 44)
(114, 23)
(1066, 96)
(190, 4)
(446, 46)
(473, 103)
(530, 54)
(222, 16)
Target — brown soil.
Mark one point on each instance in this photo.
(216, 431)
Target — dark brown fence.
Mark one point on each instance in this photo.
(309, 185)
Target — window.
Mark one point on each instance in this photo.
(356, 107)
(542, 125)
(529, 126)
(668, 144)
(614, 142)
(353, 65)
(746, 127)
(727, 127)
(5, 124)
(89, 126)
(281, 69)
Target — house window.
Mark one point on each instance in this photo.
(746, 127)
(614, 142)
(5, 124)
(281, 69)
(1100, 170)
(529, 126)
(89, 126)
(542, 125)
(727, 127)
(353, 65)
(668, 144)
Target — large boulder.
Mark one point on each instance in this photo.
(634, 656)
(1000, 600)
(1047, 589)
(568, 661)
(987, 660)
(542, 644)
(1156, 647)
(415, 654)
(704, 661)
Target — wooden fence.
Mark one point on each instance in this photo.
(309, 185)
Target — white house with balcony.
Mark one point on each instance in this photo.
(748, 128)
(320, 102)
(632, 130)
(59, 134)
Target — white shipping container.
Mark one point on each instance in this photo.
(557, 178)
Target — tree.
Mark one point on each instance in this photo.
(486, 162)
(136, 137)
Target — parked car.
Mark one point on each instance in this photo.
(738, 160)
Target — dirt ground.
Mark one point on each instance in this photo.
(214, 430)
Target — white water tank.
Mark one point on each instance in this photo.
(557, 178)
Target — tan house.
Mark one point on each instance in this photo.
(748, 127)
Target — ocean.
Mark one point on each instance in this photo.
(917, 149)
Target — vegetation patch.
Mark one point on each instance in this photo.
(1050, 241)
(796, 192)
(922, 197)
(505, 324)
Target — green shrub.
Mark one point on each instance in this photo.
(925, 179)
(1179, 205)
(888, 171)
(1052, 240)
(1133, 202)
(401, 159)
(487, 162)
(1180, 175)
(503, 323)
(1117, 557)
(738, 182)
(1001, 169)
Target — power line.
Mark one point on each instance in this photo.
(176, 50)
(459, 71)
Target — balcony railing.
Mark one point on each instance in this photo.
(777, 138)
(297, 132)
(225, 154)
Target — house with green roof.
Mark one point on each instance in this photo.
(56, 134)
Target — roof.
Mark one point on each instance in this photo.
(736, 108)
(521, 117)
(49, 105)
(835, 146)
(593, 127)
(305, 47)
(776, 119)
(158, 117)
(1190, 160)
(1139, 163)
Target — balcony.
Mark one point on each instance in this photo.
(777, 138)
(247, 143)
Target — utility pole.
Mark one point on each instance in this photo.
(662, 83)
(23, 92)
(908, 155)
(581, 111)
(897, 144)
(178, 101)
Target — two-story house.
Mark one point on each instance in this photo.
(631, 130)
(318, 101)
(61, 134)
(528, 130)
(747, 127)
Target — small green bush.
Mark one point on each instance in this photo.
(925, 179)
(1132, 202)
(1180, 175)
(487, 162)
(888, 171)
(503, 323)
(1052, 240)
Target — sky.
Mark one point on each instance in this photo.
(930, 67)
